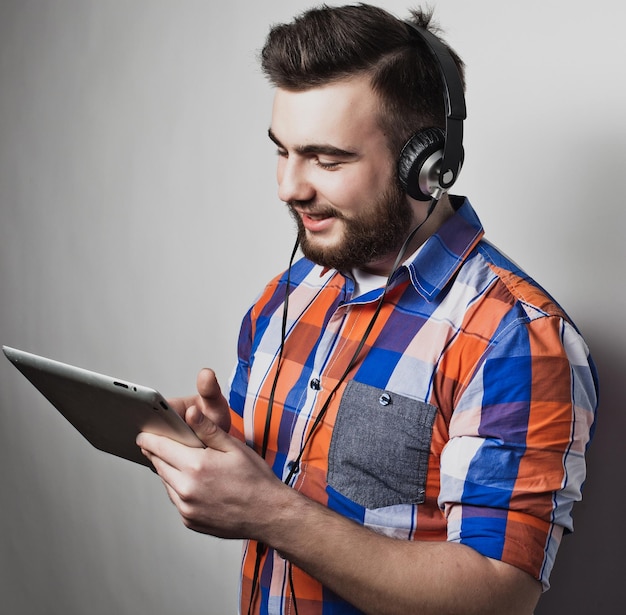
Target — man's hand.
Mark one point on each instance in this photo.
(208, 403)
(226, 490)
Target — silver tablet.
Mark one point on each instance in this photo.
(107, 411)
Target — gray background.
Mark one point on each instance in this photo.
(139, 218)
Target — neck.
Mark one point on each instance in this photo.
(428, 225)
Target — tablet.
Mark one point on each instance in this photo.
(107, 411)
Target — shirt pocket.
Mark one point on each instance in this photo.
(380, 446)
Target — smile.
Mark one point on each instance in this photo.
(315, 216)
(315, 222)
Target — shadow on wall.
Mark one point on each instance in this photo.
(588, 573)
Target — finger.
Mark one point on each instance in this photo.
(161, 449)
(211, 401)
(167, 474)
(208, 386)
(199, 422)
(179, 404)
(210, 433)
(208, 389)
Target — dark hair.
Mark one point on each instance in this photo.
(327, 44)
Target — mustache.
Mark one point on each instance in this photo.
(314, 209)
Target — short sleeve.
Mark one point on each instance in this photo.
(515, 461)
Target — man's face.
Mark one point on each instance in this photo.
(338, 177)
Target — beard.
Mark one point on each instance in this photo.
(369, 237)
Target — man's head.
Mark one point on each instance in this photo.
(328, 44)
(353, 85)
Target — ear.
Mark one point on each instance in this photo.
(419, 163)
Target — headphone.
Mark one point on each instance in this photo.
(431, 159)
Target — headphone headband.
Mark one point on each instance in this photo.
(454, 100)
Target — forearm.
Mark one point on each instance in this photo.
(227, 490)
(384, 575)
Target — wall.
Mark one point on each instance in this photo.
(139, 218)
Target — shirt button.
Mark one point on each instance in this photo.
(315, 384)
(384, 399)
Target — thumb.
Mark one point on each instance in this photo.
(209, 432)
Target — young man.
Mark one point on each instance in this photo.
(406, 426)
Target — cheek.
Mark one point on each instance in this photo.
(353, 191)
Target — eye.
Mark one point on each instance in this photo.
(327, 165)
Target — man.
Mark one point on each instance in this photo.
(407, 424)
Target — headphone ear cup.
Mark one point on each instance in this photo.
(418, 165)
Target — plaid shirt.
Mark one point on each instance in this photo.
(466, 418)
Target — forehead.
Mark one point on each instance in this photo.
(344, 113)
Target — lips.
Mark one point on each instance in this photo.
(315, 217)
(315, 222)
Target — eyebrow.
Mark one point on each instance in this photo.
(314, 148)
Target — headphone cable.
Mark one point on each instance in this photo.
(295, 465)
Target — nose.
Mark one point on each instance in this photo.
(293, 182)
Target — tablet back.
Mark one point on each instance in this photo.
(107, 411)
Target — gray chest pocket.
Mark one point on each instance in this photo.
(380, 446)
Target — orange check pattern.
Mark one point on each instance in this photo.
(466, 418)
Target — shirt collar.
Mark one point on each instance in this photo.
(441, 255)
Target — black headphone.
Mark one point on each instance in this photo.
(431, 159)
